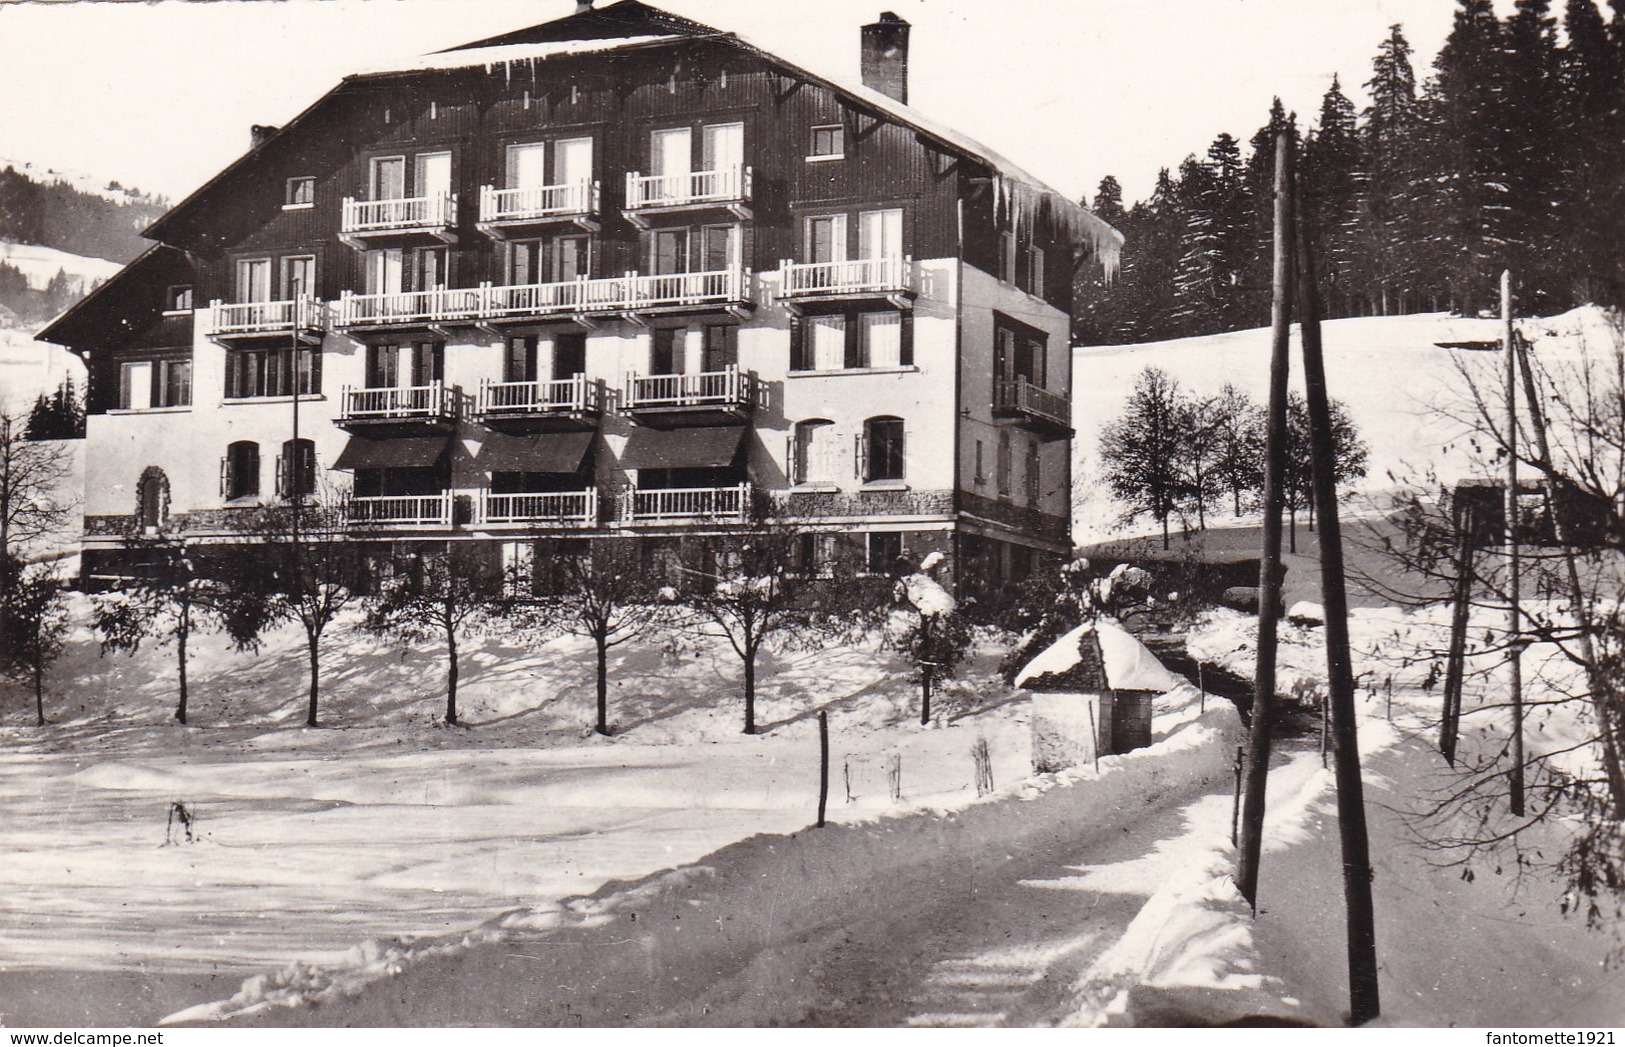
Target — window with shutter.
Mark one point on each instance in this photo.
(885, 449)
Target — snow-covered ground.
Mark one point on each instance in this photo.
(28, 368)
(39, 264)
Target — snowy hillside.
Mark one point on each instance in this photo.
(78, 180)
(39, 264)
(28, 368)
(1400, 377)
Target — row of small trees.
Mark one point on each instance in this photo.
(303, 568)
(1173, 453)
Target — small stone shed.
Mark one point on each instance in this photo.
(1092, 692)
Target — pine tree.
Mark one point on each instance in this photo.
(1259, 195)
(1331, 161)
(1390, 148)
(1589, 71)
(1532, 104)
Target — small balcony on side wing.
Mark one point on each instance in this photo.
(561, 405)
(367, 224)
(506, 213)
(431, 511)
(890, 278)
(415, 410)
(301, 318)
(550, 509)
(726, 190)
(1045, 413)
(723, 397)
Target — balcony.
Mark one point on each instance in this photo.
(365, 224)
(580, 299)
(303, 318)
(411, 510)
(544, 406)
(728, 290)
(441, 306)
(890, 278)
(707, 398)
(726, 191)
(1049, 414)
(543, 509)
(404, 411)
(513, 212)
(687, 503)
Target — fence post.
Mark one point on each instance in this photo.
(823, 765)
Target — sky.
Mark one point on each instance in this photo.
(160, 95)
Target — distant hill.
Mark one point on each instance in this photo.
(73, 213)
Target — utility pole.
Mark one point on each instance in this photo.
(1269, 570)
(1362, 941)
(1514, 624)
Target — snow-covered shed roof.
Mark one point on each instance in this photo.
(1129, 665)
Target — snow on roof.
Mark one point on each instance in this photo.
(511, 54)
(1129, 664)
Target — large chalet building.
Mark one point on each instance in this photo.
(620, 273)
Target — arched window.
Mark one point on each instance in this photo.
(296, 469)
(240, 471)
(814, 451)
(152, 500)
(883, 448)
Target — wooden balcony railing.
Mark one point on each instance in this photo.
(541, 201)
(400, 215)
(569, 296)
(298, 314)
(432, 401)
(412, 510)
(689, 503)
(853, 276)
(714, 287)
(443, 304)
(725, 185)
(576, 395)
(1026, 398)
(563, 508)
(729, 387)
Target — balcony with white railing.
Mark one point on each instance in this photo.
(427, 408)
(563, 298)
(708, 397)
(726, 189)
(1034, 406)
(563, 403)
(374, 223)
(298, 316)
(890, 277)
(507, 211)
(546, 509)
(409, 510)
(728, 289)
(412, 308)
(688, 503)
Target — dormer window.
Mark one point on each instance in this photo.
(828, 143)
(178, 299)
(301, 193)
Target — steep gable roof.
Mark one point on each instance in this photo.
(628, 18)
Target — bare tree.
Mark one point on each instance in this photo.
(31, 477)
(447, 596)
(1238, 453)
(1143, 451)
(604, 595)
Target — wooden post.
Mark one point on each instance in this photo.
(1094, 737)
(823, 765)
(1201, 685)
(1364, 1004)
(1456, 659)
(1269, 581)
(1235, 804)
(1514, 624)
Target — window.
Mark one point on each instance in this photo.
(572, 257)
(1019, 352)
(886, 553)
(1035, 271)
(525, 262)
(1007, 257)
(883, 459)
(178, 299)
(722, 147)
(389, 178)
(296, 469)
(815, 555)
(527, 165)
(1032, 473)
(174, 383)
(572, 161)
(828, 143)
(669, 252)
(719, 247)
(519, 359)
(301, 193)
(1004, 463)
(433, 173)
(721, 347)
(253, 280)
(240, 471)
(152, 499)
(298, 277)
(384, 271)
(671, 154)
(135, 385)
(666, 350)
(254, 373)
(880, 233)
(877, 338)
(428, 363)
(825, 239)
(880, 339)
(814, 452)
(429, 269)
(569, 354)
(826, 338)
(383, 366)
(981, 474)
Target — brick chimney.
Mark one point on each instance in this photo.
(259, 134)
(583, 6)
(885, 56)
